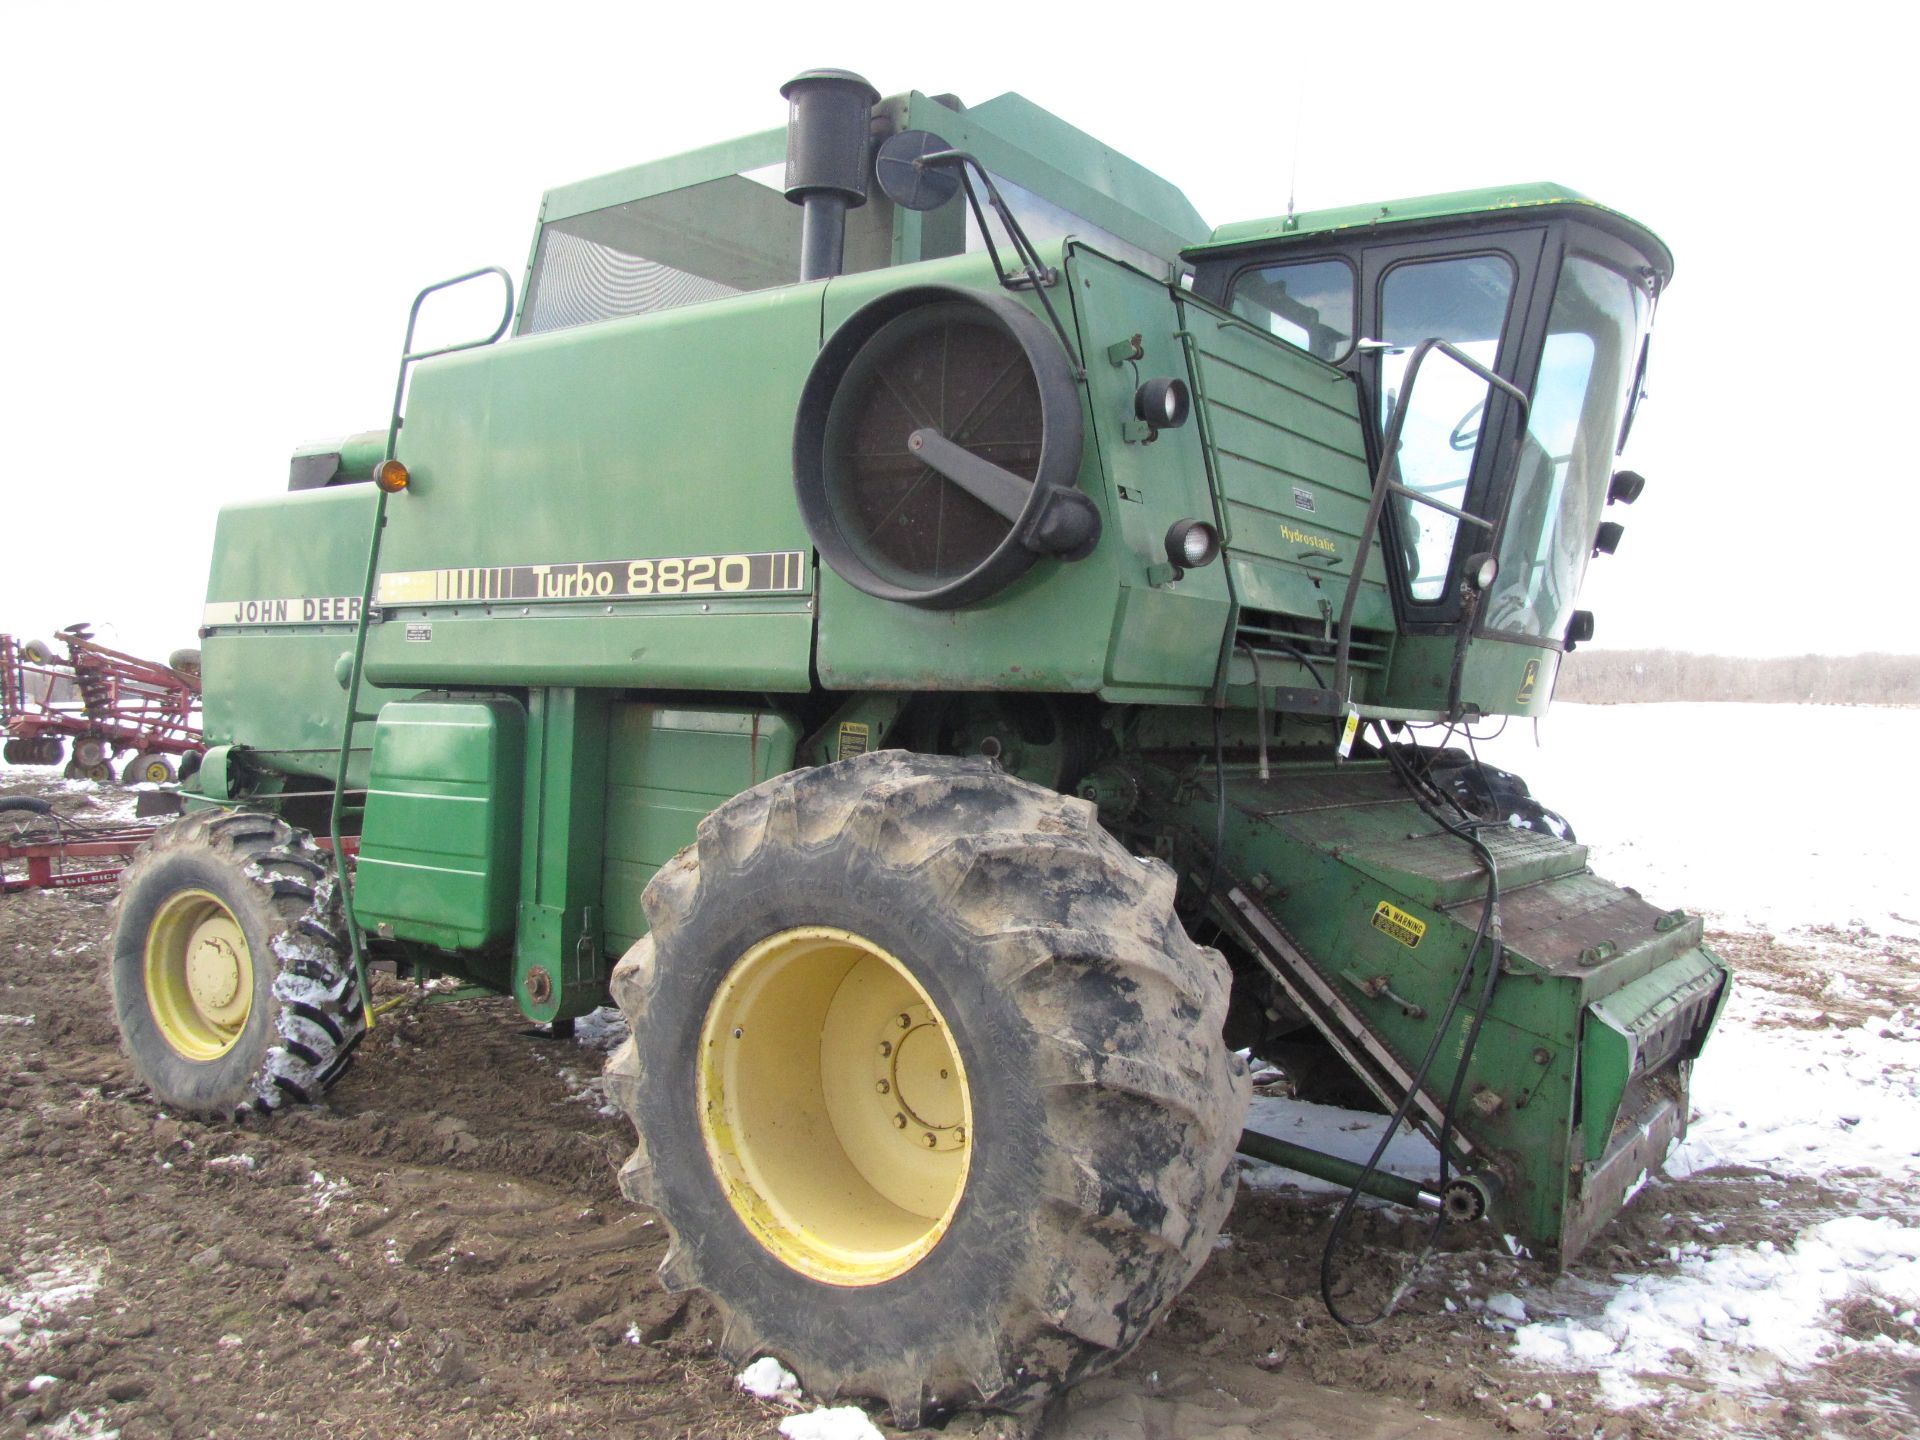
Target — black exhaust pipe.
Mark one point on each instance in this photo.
(829, 117)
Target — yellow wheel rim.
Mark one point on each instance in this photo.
(834, 1106)
(199, 975)
(155, 772)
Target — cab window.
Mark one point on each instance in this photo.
(1308, 304)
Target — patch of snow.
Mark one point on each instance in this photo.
(233, 1162)
(1508, 1307)
(1805, 1102)
(588, 1091)
(846, 1422)
(323, 1192)
(79, 1425)
(768, 1379)
(33, 1308)
(1744, 1316)
(601, 1029)
(16, 1019)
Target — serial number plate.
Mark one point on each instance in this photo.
(776, 572)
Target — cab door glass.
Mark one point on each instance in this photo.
(1586, 374)
(1464, 300)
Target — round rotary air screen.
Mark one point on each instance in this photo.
(948, 367)
(937, 448)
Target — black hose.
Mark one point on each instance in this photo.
(1487, 926)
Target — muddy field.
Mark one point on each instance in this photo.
(442, 1250)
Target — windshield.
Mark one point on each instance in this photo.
(1566, 459)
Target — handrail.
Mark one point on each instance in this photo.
(356, 939)
(1384, 486)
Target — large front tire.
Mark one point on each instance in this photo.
(999, 1189)
(231, 983)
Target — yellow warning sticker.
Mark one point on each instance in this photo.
(1528, 680)
(854, 738)
(1390, 919)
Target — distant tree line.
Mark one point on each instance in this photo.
(1614, 677)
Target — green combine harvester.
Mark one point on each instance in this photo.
(963, 654)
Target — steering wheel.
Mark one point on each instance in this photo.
(1462, 438)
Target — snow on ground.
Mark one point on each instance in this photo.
(51, 1292)
(1819, 1103)
(1743, 1316)
(1758, 816)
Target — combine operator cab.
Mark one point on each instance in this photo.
(1534, 284)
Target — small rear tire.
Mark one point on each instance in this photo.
(148, 768)
(231, 984)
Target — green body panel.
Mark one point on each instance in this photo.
(560, 964)
(667, 767)
(592, 445)
(1048, 631)
(1322, 848)
(1494, 680)
(1019, 141)
(439, 841)
(272, 686)
(1624, 1034)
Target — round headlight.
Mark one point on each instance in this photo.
(1481, 570)
(1192, 543)
(1163, 404)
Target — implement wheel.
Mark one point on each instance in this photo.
(230, 982)
(149, 768)
(929, 1083)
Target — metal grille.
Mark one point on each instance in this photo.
(580, 281)
(1267, 631)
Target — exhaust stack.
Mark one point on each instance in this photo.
(828, 120)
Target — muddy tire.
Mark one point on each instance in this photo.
(1001, 929)
(231, 982)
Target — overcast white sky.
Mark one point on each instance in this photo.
(216, 216)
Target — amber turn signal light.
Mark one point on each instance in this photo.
(391, 476)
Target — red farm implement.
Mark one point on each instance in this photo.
(42, 850)
(103, 704)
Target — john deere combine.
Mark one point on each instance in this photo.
(943, 638)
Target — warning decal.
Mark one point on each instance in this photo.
(1391, 920)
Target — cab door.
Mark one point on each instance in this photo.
(1474, 292)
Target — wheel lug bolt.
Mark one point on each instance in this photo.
(899, 1122)
(906, 1022)
(886, 1048)
(883, 1087)
(931, 1142)
(959, 1134)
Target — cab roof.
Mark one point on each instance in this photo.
(1450, 205)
